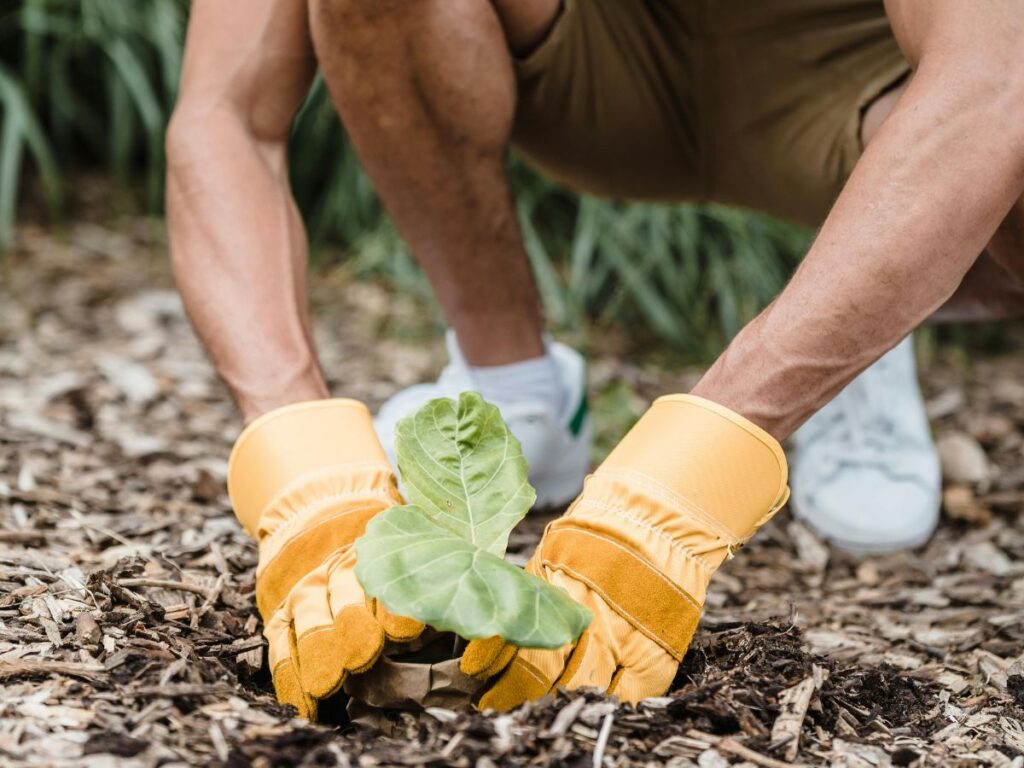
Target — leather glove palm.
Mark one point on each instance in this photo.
(686, 487)
(304, 480)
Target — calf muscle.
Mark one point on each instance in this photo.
(426, 91)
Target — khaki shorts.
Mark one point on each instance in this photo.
(748, 102)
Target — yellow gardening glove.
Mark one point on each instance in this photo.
(689, 484)
(304, 480)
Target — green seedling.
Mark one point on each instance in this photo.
(438, 559)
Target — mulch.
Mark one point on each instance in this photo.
(128, 635)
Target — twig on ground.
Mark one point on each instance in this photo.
(165, 584)
(728, 744)
(794, 702)
(26, 538)
(79, 519)
(10, 670)
(602, 739)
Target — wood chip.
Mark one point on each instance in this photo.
(128, 631)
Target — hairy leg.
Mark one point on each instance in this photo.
(426, 91)
(993, 289)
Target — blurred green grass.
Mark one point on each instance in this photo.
(89, 84)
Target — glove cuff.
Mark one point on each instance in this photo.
(275, 454)
(314, 517)
(688, 485)
(706, 461)
(323, 494)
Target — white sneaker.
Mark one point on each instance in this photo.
(865, 471)
(556, 447)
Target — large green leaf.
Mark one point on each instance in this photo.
(418, 568)
(462, 466)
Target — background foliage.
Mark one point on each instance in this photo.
(88, 84)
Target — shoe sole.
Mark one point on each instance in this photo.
(868, 549)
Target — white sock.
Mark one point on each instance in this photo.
(534, 380)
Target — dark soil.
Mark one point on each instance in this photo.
(128, 634)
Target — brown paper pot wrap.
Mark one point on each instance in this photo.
(411, 677)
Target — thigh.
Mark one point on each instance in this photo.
(605, 101)
(791, 80)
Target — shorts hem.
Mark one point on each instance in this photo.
(875, 88)
(537, 60)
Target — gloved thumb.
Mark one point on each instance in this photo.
(483, 659)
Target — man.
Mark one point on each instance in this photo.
(768, 105)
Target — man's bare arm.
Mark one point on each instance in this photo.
(929, 193)
(238, 244)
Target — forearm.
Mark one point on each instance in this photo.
(927, 196)
(237, 242)
(238, 249)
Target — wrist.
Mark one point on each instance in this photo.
(255, 403)
(743, 381)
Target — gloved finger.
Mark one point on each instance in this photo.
(316, 641)
(646, 669)
(645, 677)
(284, 670)
(343, 636)
(530, 674)
(347, 592)
(483, 659)
(592, 663)
(397, 628)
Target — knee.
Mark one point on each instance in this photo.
(362, 31)
(333, 20)
(333, 16)
(871, 119)
(526, 22)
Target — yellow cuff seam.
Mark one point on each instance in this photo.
(622, 514)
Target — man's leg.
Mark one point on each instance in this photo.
(427, 90)
(427, 93)
(989, 291)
